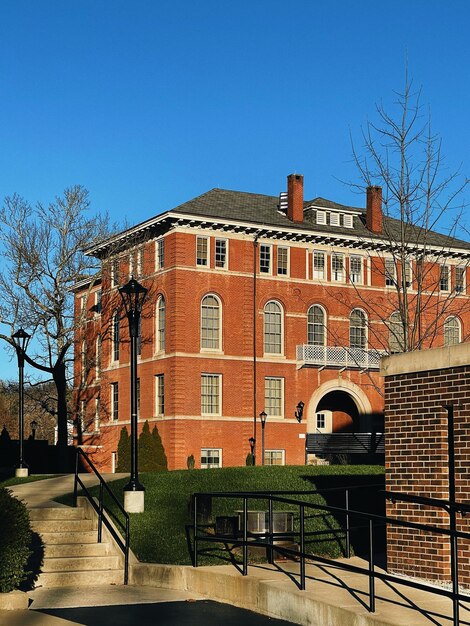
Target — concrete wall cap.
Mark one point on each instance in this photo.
(424, 360)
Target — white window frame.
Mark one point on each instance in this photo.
(334, 218)
(114, 272)
(224, 266)
(444, 278)
(97, 415)
(98, 356)
(396, 339)
(114, 387)
(213, 377)
(203, 261)
(159, 254)
(337, 276)
(265, 255)
(279, 352)
(287, 267)
(98, 305)
(460, 289)
(204, 453)
(362, 347)
(160, 395)
(115, 345)
(269, 397)
(357, 278)
(268, 457)
(218, 347)
(317, 274)
(448, 330)
(314, 323)
(160, 330)
(321, 217)
(327, 417)
(390, 272)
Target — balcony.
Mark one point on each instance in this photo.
(337, 356)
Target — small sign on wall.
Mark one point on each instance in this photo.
(301, 435)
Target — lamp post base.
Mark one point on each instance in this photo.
(21, 472)
(134, 501)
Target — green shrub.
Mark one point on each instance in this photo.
(190, 461)
(124, 452)
(15, 541)
(250, 460)
(159, 450)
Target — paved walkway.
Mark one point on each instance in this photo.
(332, 597)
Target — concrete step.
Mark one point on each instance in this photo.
(53, 538)
(56, 513)
(80, 563)
(77, 549)
(80, 579)
(61, 526)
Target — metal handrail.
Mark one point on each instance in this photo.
(101, 510)
(266, 539)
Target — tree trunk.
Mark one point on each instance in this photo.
(59, 376)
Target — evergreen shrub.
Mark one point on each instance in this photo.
(15, 541)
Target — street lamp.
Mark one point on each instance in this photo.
(21, 339)
(133, 296)
(34, 426)
(299, 411)
(262, 417)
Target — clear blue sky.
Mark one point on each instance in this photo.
(150, 103)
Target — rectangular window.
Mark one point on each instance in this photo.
(210, 394)
(319, 265)
(211, 457)
(274, 457)
(390, 279)
(355, 269)
(321, 421)
(114, 273)
(97, 414)
(282, 261)
(98, 301)
(408, 278)
(273, 396)
(131, 263)
(82, 415)
(114, 401)
(444, 278)
(116, 336)
(265, 259)
(334, 219)
(202, 251)
(98, 357)
(221, 258)
(337, 267)
(160, 394)
(460, 279)
(159, 254)
(321, 217)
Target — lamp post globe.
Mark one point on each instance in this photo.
(21, 339)
(133, 295)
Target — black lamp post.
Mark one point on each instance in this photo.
(252, 442)
(34, 426)
(133, 296)
(262, 417)
(21, 339)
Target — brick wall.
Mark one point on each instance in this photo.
(417, 387)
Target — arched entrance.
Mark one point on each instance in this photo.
(339, 406)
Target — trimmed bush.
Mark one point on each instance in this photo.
(124, 452)
(159, 450)
(15, 541)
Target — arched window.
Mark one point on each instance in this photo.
(116, 334)
(357, 329)
(273, 328)
(210, 323)
(161, 324)
(316, 326)
(452, 334)
(396, 334)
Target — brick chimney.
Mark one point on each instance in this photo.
(295, 197)
(374, 210)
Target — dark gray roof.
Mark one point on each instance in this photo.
(264, 210)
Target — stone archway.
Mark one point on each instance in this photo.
(348, 404)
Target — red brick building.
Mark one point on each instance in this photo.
(255, 303)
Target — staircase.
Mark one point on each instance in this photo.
(72, 555)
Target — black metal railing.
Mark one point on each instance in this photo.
(371, 521)
(104, 516)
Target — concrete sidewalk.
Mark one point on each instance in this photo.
(332, 596)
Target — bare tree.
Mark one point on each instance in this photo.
(402, 156)
(43, 259)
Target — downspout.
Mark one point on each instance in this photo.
(255, 256)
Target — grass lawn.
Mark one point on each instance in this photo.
(160, 534)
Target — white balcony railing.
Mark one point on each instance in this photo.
(338, 356)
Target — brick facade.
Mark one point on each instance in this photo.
(256, 265)
(417, 388)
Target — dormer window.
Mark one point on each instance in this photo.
(333, 218)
